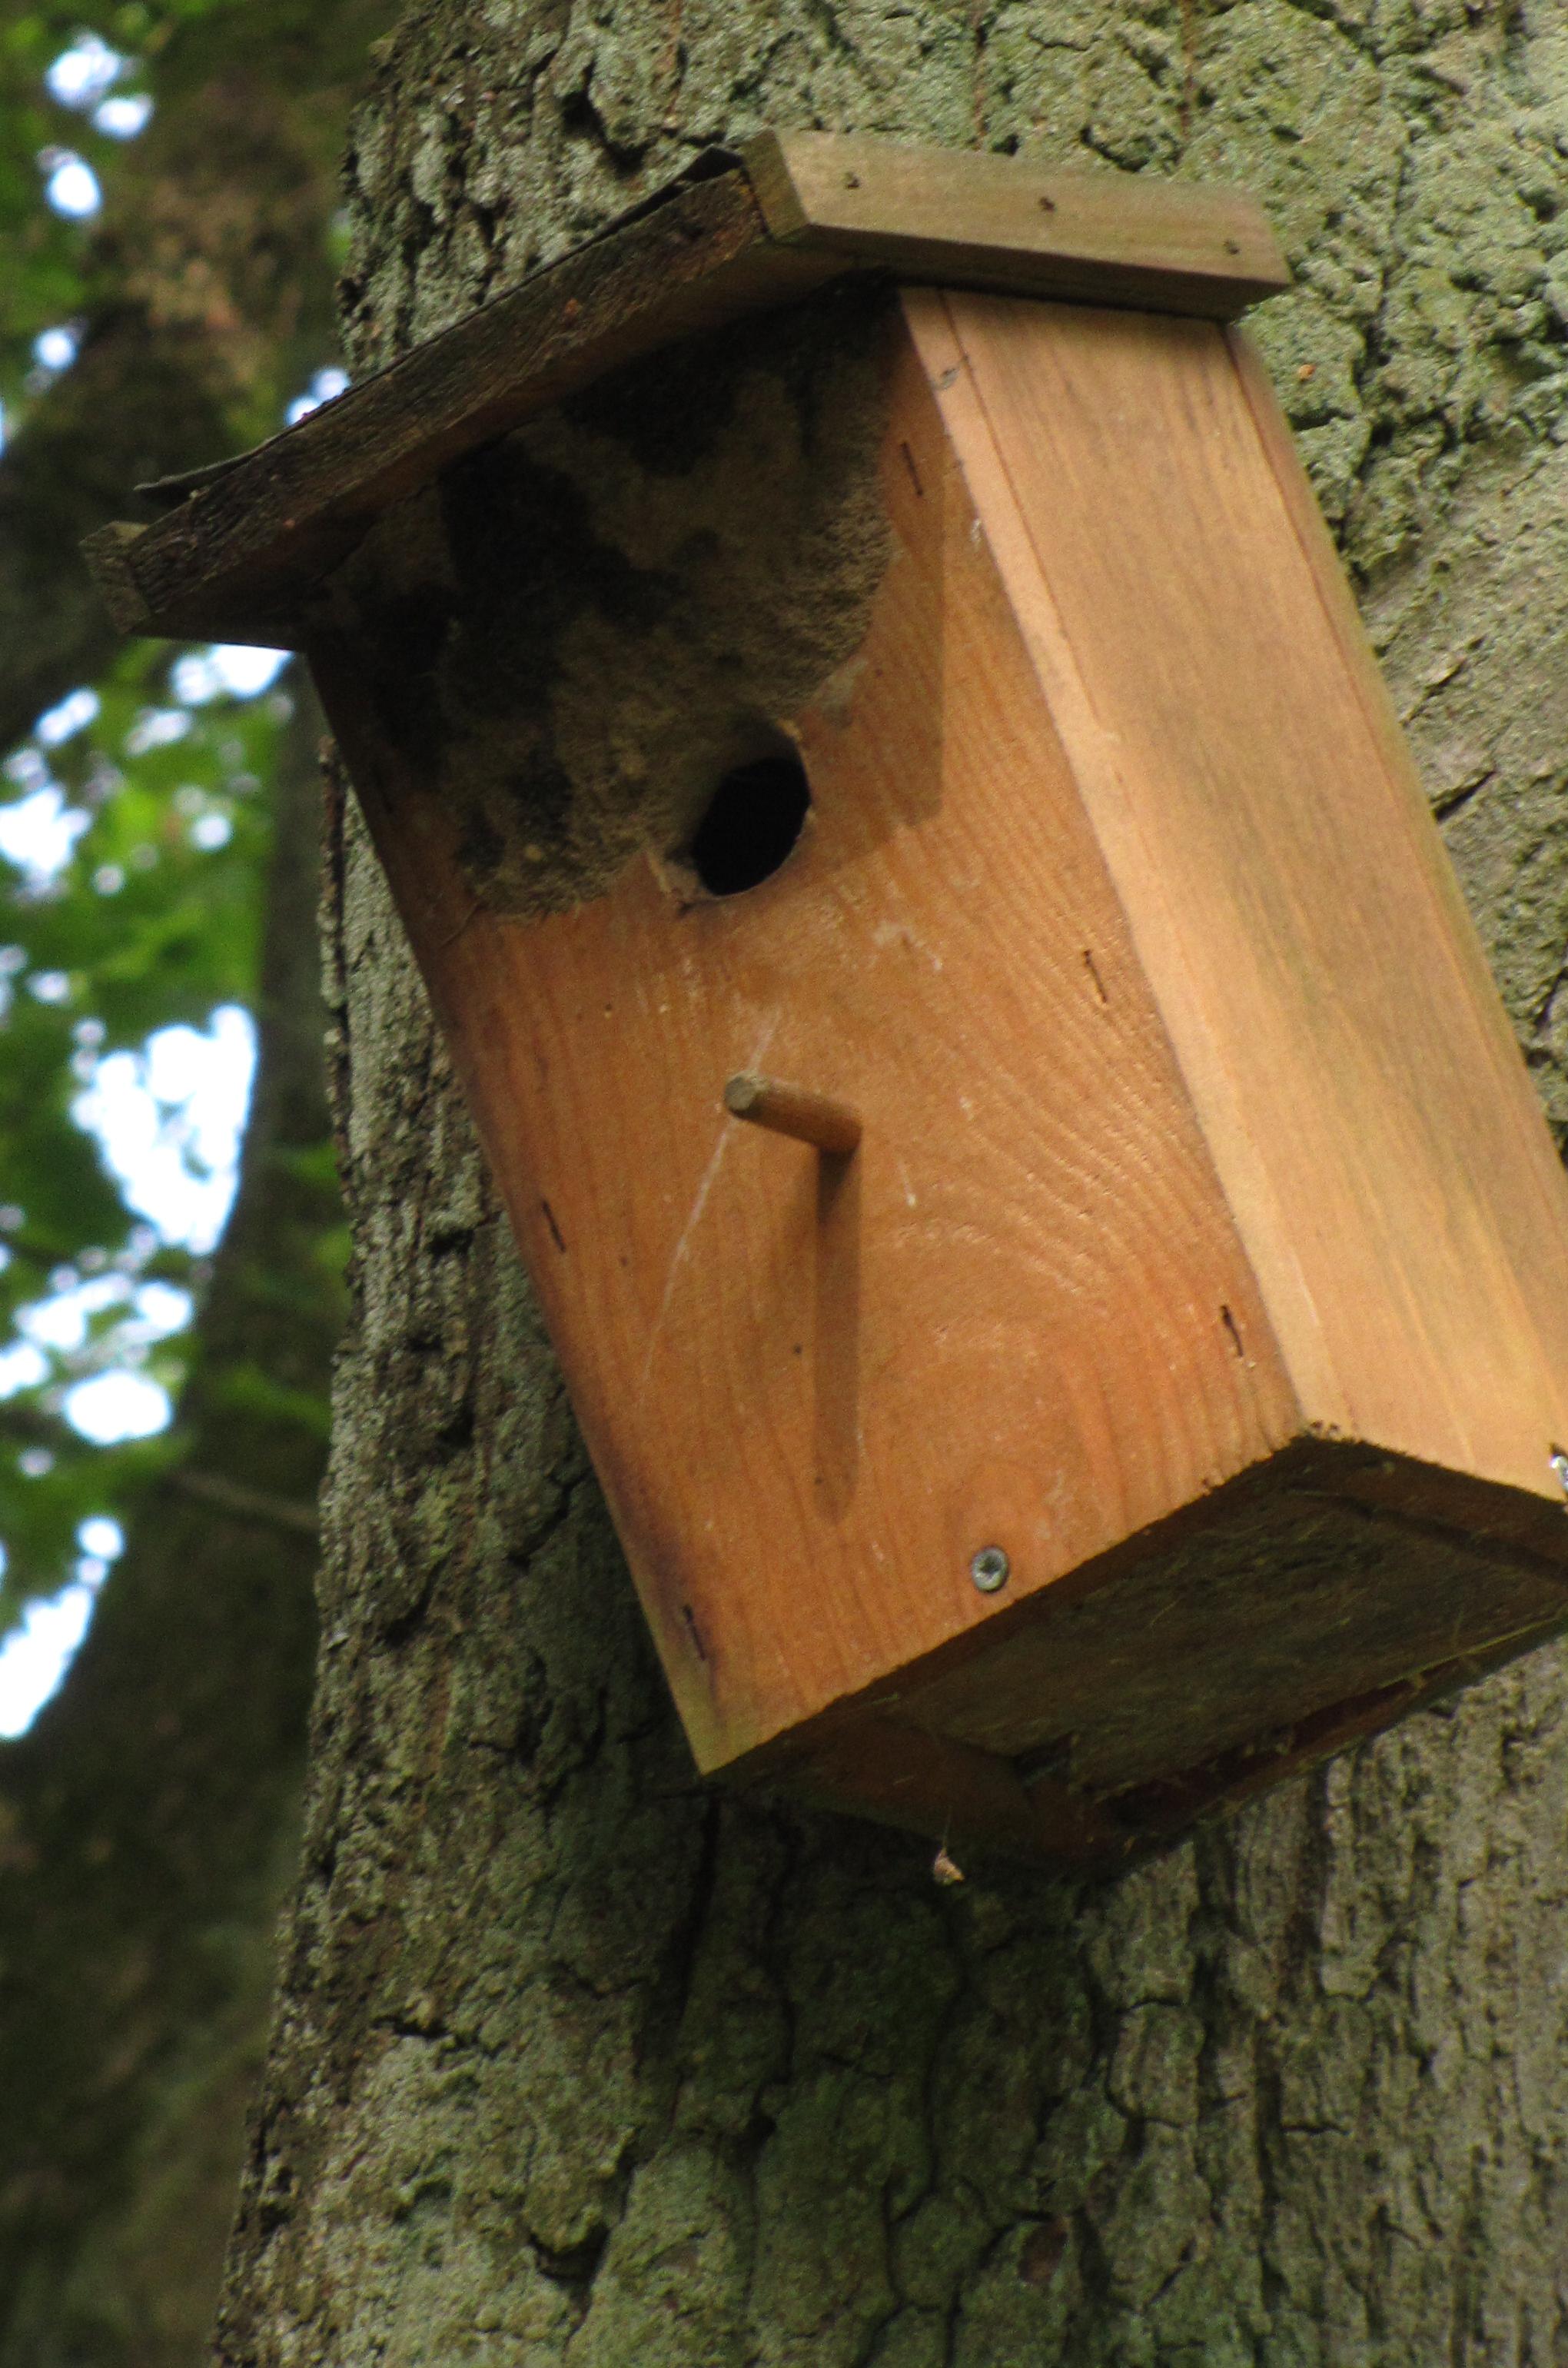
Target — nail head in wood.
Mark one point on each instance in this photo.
(795, 1110)
(989, 1569)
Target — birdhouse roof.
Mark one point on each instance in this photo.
(241, 544)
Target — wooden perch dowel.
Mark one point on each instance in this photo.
(794, 1109)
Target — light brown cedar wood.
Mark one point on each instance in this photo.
(813, 1389)
(970, 219)
(1119, 929)
(796, 1112)
(1371, 1122)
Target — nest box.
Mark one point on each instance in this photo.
(1047, 1232)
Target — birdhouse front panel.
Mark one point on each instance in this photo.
(817, 1388)
(1048, 1233)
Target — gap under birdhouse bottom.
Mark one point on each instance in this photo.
(1302, 1607)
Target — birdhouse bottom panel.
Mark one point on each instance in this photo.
(1304, 1608)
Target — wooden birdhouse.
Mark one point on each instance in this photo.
(1048, 1233)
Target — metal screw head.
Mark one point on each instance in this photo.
(989, 1568)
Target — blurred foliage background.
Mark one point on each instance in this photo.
(135, 824)
(134, 864)
(172, 1245)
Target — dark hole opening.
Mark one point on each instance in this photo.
(753, 821)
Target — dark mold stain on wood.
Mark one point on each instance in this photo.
(579, 630)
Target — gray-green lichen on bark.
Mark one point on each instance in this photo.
(578, 2064)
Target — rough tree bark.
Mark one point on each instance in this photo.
(576, 2062)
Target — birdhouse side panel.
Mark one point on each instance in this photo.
(1369, 1115)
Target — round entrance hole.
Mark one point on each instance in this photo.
(753, 821)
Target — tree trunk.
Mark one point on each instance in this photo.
(579, 2062)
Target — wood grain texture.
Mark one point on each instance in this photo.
(1020, 1315)
(972, 220)
(1287, 1600)
(239, 558)
(1379, 1143)
(1365, 682)
(1191, 1670)
(1201, 1246)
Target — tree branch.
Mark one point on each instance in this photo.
(208, 294)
